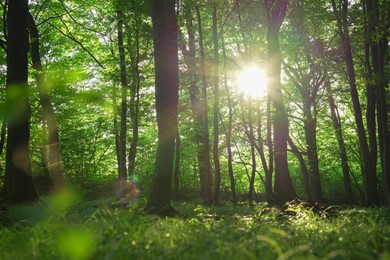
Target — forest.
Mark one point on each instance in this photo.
(195, 129)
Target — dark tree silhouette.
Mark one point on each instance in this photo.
(18, 185)
(167, 84)
(369, 167)
(275, 12)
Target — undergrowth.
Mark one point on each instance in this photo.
(70, 227)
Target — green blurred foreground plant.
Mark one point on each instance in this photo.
(66, 227)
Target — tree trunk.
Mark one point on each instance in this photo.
(205, 166)
(253, 175)
(275, 13)
(167, 86)
(266, 168)
(369, 168)
(253, 153)
(176, 172)
(2, 135)
(340, 140)
(124, 86)
(134, 102)
(310, 127)
(197, 103)
(217, 167)
(54, 162)
(228, 133)
(268, 178)
(18, 183)
(304, 171)
(378, 44)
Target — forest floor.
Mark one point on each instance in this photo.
(70, 226)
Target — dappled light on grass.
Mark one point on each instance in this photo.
(102, 230)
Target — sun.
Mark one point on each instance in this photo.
(252, 81)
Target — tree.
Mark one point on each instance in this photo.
(340, 141)
(228, 133)
(376, 47)
(166, 87)
(18, 185)
(134, 90)
(49, 117)
(217, 167)
(308, 86)
(124, 86)
(275, 12)
(369, 167)
(205, 166)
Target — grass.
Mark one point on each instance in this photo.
(70, 227)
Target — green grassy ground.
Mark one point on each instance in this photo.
(69, 227)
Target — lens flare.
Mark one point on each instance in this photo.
(126, 191)
(252, 81)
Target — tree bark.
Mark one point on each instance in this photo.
(308, 85)
(54, 162)
(205, 166)
(260, 150)
(124, 86)
(340, 140)
(176, 172)
(304, 171)
(228, 133)
(369, 168)
(217, 167)
(378, 45)
(134, 100)
(275, 13)
(167, 86)
(18, 183)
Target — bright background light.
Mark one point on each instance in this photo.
(252, 82)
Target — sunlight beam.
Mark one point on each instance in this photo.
(252, 81)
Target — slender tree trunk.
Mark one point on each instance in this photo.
(275, 13)
(252, 176)
(176, 171)
(217, 167)
(267, 171)
(268, 178)
(308, 85)
(124, 86)
(229, 128)
(116, 128)
(54, 162)
(196, 101)
(253, 153)
(369, 168)
(44, 161)
(205, 162)
(134, 103)
(2, 135)
(378, 45)
(371, 97)
(340, 140)
(167, 86)
(18, 183)
(310, 127)
(304, 171)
